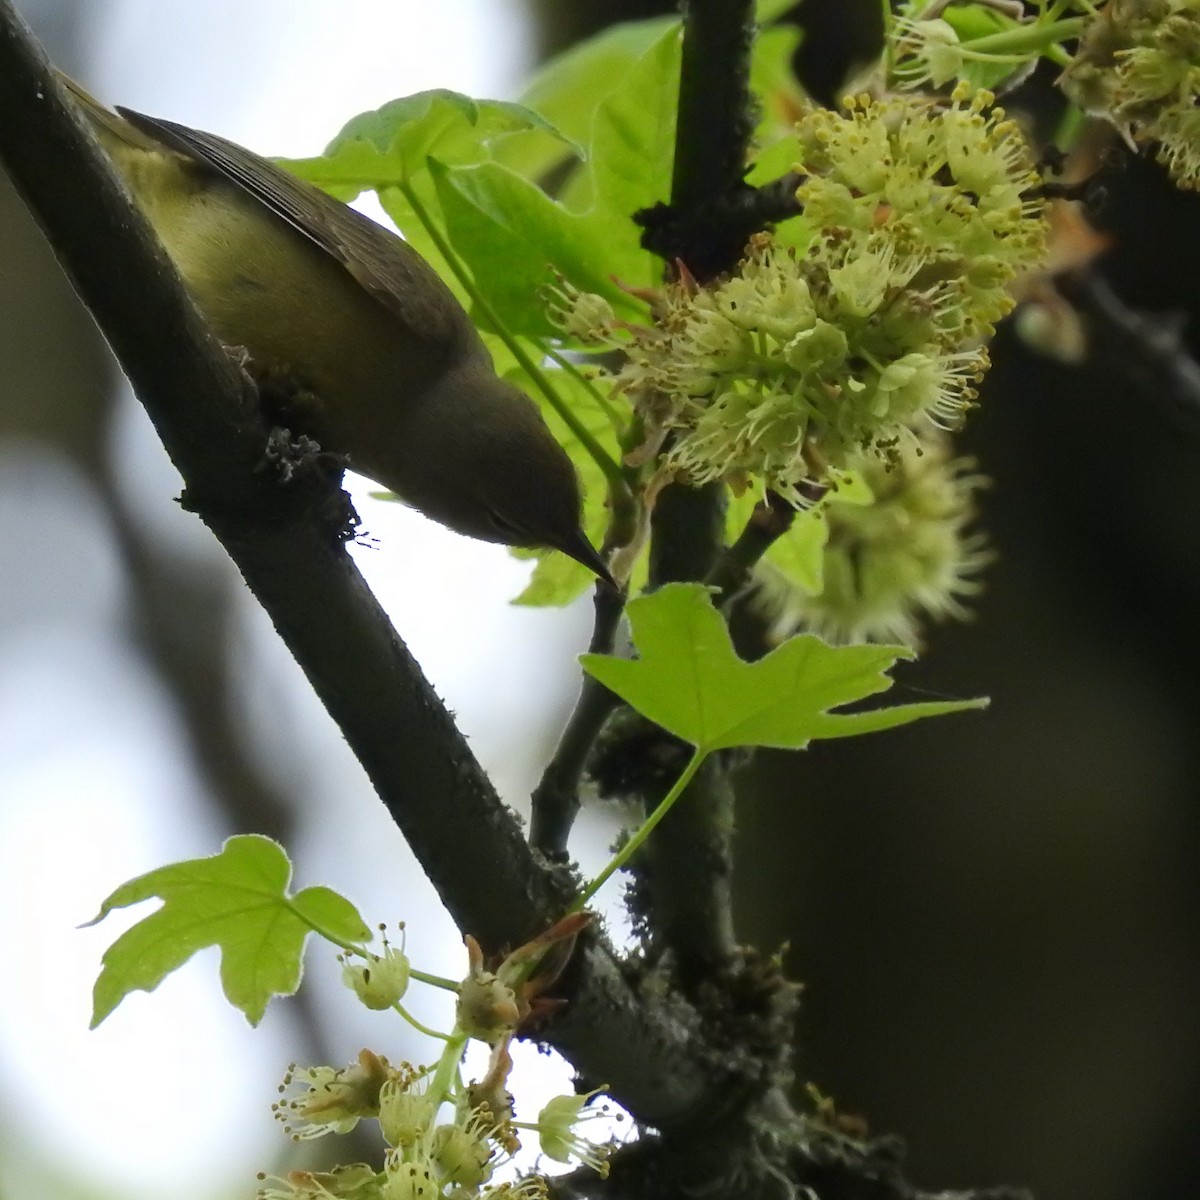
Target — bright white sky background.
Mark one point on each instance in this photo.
(170, 1097)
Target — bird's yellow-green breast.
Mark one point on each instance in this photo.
(264, 287)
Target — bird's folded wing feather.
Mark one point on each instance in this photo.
(382, 263)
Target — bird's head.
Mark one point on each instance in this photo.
(491, 469)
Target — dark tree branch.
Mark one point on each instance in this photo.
(685, 871)
(706, 224)
(712, 238)
(822, 1163)
(690, 854)
(775, 201)
(205, 410)
(716, 106)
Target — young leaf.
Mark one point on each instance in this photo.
(387, 150)
(690, 681)
(389, 145)
(629, 123)
(800, 553)
(237, 900)
(510, 234)
(632, 148)
(567, 89)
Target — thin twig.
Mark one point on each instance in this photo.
(555, 801)
(769, 521)
(556, 798)
(1148, 348)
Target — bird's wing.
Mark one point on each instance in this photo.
(383, 264)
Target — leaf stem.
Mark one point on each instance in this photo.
(611, 469)
(1026, 39)
(647, 827)
(438, 981)
(420, 1026)
(317, 928)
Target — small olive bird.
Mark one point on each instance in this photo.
(383, 365)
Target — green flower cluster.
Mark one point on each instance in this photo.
(951, 186)
(444, 1141)
(798, 363)
(426, 1157)
(793, 365)
(1138, 66)
(907, 555)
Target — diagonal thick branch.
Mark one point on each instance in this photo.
(206, 412)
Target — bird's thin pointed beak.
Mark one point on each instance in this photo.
(582, 551)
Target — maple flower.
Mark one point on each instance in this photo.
(463, 1152)
(458, 1155)
(405, 1179)
(859, 360)
(952, 183)
(330, 1099)
(406, 1110)
(488, 1008)
(491, 1094)
(582, 315)
(492, 1004)
(803, 360)
(557, 1135)
(381, 980)
(929, 52)
(532, 1187)
(355, 1181)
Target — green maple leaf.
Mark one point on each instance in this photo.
(237, 900)
(689, 680)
